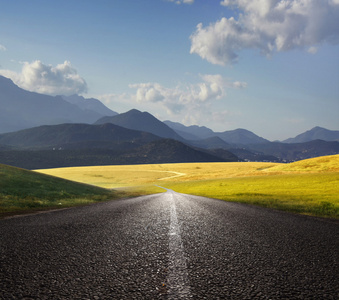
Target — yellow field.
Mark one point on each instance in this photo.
(310, 186)
(136, 175)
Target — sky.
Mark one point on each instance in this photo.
(269, 66)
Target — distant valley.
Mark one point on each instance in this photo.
(40, 131)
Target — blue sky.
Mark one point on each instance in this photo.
(268, 66)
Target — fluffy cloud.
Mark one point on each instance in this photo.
(193, 96)
(182, 1)
(46, 79)
(186, 103)
(2, 48)
(269, 26)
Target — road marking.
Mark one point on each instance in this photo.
(178, 283)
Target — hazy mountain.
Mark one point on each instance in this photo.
(241, 137)
(316, 133)
(295, 151)
(144, 121)
(192, 132)
(91, 104)
(235, 137)
(76, 136)
(20, 109)
(210, 143)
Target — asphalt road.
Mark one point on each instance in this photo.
(168, 246)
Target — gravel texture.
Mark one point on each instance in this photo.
(124, 250)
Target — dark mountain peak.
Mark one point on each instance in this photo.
(241, 136)
(192, 132)
(317, 128)
(133, 111)
(144, 121)
(90, 104)
(316, 133)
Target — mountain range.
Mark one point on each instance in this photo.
(21, 109)
(236, 137)
(36, 127)
(52, 146)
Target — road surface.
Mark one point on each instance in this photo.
(168, 246)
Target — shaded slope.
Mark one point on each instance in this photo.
(75, 136)
(169, 151)
(22, 189)
(159, 151)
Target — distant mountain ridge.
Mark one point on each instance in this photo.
(237, 137)
(90, 104)
(316, 133)
(21, 109)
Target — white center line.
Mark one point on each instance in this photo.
(178, 283)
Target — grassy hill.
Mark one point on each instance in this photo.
(22, 190)
(329, 163)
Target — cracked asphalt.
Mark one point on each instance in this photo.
(169, 246)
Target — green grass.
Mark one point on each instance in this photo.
(22, 191)
(312, 194)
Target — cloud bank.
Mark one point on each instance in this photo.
(46, 79)
(2, 48)
(268, 26)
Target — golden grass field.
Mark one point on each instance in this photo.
(309, 186)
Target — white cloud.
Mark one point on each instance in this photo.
(46, 79)
(182, 1)
(186, 103)
(312, 50)
(2, 48)
(212, 87)
(268, 26)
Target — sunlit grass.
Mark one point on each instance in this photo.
(315, 194)
(309, 186)
(136, 175)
